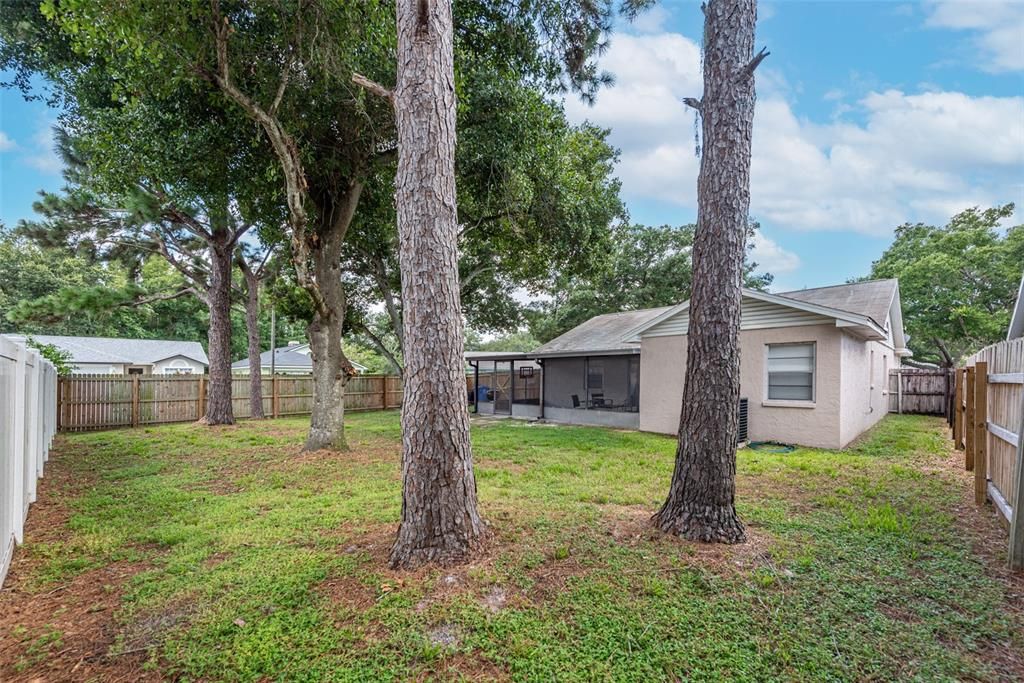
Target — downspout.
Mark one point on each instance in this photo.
(512, 389)
(476, 387)
(540, 362)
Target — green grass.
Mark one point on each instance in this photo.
(264, 564)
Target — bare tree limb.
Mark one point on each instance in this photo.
(374, 87)
(748, 70)
(694, 103)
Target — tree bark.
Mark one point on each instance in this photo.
(701, 500)
(252, 329)
(439, 522)
(331, 368)
(218, 404)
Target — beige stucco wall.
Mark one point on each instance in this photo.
(865, 400)
(663, 366)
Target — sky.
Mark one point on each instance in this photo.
(869, 115)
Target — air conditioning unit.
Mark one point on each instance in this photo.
(741, 436)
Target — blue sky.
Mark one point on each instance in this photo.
(869, 114)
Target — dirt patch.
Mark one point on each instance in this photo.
(67, 633)
(460, 666)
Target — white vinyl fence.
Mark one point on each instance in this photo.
(28, 421)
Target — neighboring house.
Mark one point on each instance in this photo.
(114, 356)
(814, 368)
(1017, 320)
(294, 359)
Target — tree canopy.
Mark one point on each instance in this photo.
(646, 267)
(958, 282)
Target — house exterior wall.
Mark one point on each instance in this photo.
(170, 366)
(663, 368)
(865, 384)
(97, 369)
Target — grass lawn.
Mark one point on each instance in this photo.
(192, 553)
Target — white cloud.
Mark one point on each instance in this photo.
(770, 257)
(43, 156)
(998, 29)
(6, 143)
(914, 157)
(651, 21)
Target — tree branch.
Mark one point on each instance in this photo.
(748, 70)
(694, 103)
(374, 87)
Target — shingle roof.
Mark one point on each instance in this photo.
(290, 356)
(871, 298)
(116, 350)
(601, 333)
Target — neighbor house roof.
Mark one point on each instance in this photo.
(117, 350)
(1017, 321)
(293, 356)
(601, 334)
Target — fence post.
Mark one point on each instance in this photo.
(969, 422)
(273, 396)
(135, 400)
(980, 431)
(1016, 518)
(958, 412)
(17, 471)
(384, 392)
(201, 398)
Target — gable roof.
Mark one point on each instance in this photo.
(119, 350)
(871, 299)
(601, 334)
(863, 301)
(1017, 321)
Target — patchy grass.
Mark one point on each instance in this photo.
(192, 553)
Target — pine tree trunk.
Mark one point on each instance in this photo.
(701, 500)
(218, 404)
(331, 369)
(252, 328)
(439, 520)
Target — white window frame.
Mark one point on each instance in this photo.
(789, 402)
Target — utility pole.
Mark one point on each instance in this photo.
(273, 341)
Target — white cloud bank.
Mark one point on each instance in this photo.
(43, 156)
(913, 157)
(6, 143)
(998, 29)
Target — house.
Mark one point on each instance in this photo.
(116, 356)
(814, 366)
(293, 359)
(1016, 330)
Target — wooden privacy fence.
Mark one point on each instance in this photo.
(920, 391)
(28, 420)
(988, 425)
(87, 402)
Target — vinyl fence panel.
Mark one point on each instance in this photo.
(28, 421)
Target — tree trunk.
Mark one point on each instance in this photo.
(439, 520)
(331, 368)
(701, 500)
(218, 403)
(252, 328)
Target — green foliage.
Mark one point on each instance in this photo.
(60, 358)
(259, 566)
(958, 282)
(521, 340)
(647, 267)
